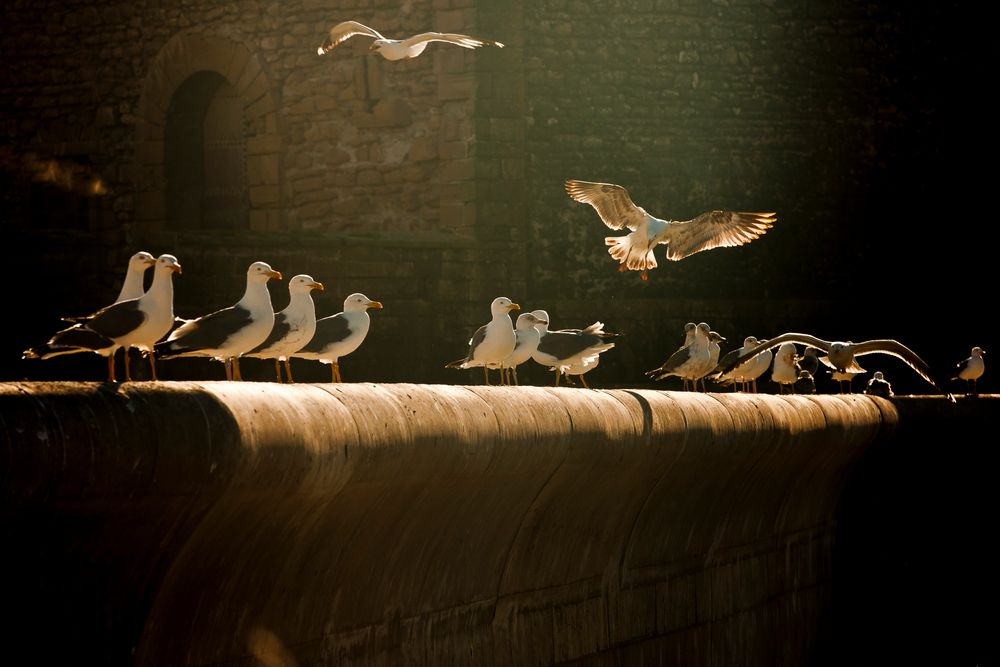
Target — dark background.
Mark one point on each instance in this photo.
(867, 128)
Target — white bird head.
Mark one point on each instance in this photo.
(261, 272)
(167, 263)
(141, 260)
(527, 321)
(749, 341)
(358, 302)
(377, 45)
(786, 353)
(878, 376)
(303, 284)
(716, 337)
(502, 305)
(978, 351)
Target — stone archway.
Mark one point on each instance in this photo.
(196, 88)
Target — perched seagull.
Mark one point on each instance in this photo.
(338, 335)
(756, 367)
(971, 369)
(136, 322)
(713, 229)
(840, 355)
(846, 376)
(714, 349)
(804, 383)
(392, 49)
(879, 386)
(293, 327)
(724, 373)
(493, 342)
(526, 342)
(784, 371)
(688, 362)
(809, 361)
(566, 350)
(228, 333)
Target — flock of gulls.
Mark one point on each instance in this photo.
(144, 319)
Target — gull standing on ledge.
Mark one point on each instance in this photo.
(689, 361)
(713, 229)
(228, 333)
(393, 49)
(526, 336)
(132, 323)
(971, 369)
(338, 335)
(293, 327)
(570, 351)
(132, 286)
(493, 342)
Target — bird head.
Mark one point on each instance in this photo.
(303, 284)
(261, 272)
(167, 263)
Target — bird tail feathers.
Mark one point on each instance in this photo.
(631, 250)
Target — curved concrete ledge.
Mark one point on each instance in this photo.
(205, 523)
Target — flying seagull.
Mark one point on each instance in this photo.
(713, 229)
(293, 327)
(338, 335)
(841, 355)
(393, 49)
(570, 351)
(136, 322)
(228, 333)
(846, 377)
(971, 369)
(493, 342)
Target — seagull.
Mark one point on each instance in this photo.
(293, 327)
(879, 386)
(757, 367)
(570, 349)
(526, 342)
(132, 286)
(712, 229)
(809, 361)
(840, 355)
(493, 342)
(714, 349)
(228, 333)
(804, 383)
(784, 371)
(138, 322)
(392, 49)
(689, 361)
(724, 373)
(971, 369)
(338, 335)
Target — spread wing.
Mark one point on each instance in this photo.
(800, 338)
(453, 38)
(715, 229)
(896, 349)
(344, 31)
(611, 202)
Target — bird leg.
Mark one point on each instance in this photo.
(228, 363)
(557, 377)
(277, 369)
(152, 365)
(236, 369)
(128, 375)
(288, 370)
(336, 372)
(584, 381)
(111, 366)
(645, 276)
(486, 375)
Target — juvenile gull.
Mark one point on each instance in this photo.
(393, 49)
(712, 229)
(971, 370)
(228, 333)
(138, 322)
(879, 386)
(493, 342)
(293, 327)
(338, 335)
(570, 349)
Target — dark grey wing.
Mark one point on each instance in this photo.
(117, 319)
(565, 344)
(675, 361)
(726, 363)
(474, 342)
(69, 341)
(329, 330)
(280, 329)
(800, 338)
(716, 229)
(208, 332)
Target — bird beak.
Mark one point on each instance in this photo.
(317, 285)
(275, 274)
(176, 268)
(150, 262)
(543, 322)
(513, 306)
(377, 305)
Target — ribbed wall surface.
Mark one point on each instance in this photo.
(228, 523)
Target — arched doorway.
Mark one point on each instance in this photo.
(205, 155)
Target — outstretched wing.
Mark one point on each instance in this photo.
(344, 31)
(715, 229)
(800, 338)
(896, 349)
(464, 41)
(611, 202)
